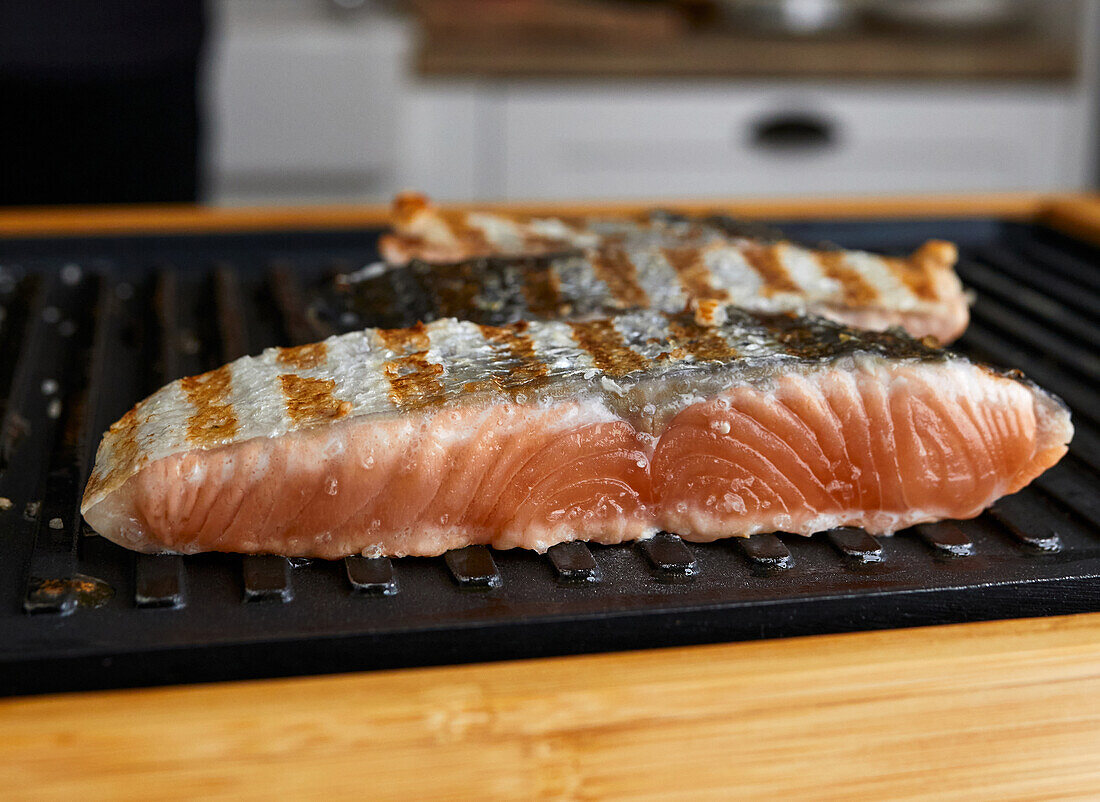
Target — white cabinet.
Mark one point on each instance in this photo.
(308, 103)
(302, 103)
(687, 141)
(519, 140)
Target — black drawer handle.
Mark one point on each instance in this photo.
(793, 133)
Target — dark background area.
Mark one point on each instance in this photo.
(298, 101)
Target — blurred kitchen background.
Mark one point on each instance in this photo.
(304, 101)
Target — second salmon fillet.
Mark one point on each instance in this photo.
(415, 441)
(493, 267)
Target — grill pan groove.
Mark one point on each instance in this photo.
(142, 311)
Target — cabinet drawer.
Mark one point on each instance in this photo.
(667, 142)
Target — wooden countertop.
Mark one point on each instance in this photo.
(720, 54)
(136, 220)
(1006, 709)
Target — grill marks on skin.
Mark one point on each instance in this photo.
(412, 340)
(693, 273)
(614, 268)
(767, 263)
(309, 400)
(214, 420)
(857, 292)
(408, 205)
(414, 381)
(455, 288)
(473, 238)
(606, 347)
(702, 342)
(541, 289)
(915, 275)
(303, 357)
(528, 371)
(900, 432)
(126, 451)
(920, 271)
(539, 243)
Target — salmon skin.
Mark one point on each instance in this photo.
(426, 233)
(419, 440)
(497, 269)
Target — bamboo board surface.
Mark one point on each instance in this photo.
(1006, 709)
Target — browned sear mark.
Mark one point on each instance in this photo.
(311, 400)
(613, 267)
(541, 288)
(576, 224)
(471, 240)
(455, 289)
(709, 312)
(857, 292)
(766, 262)
(918, 272)
(524, 370)
(125, 427)
(214, 420)
(407, 205)
(694, 274)
(483, 386)
(540, 244)
(406, 341)
(915, 276)
(606, 347)
(125, 457)
(303, 357)
(414, 381)
(702, 342)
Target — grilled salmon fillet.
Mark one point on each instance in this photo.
(666, 263)
(419, 440)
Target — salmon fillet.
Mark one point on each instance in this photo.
(416, 441)
(665, 263)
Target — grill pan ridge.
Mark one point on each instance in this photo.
(89, 326)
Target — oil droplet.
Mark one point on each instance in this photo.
(87, 591)
(71, 274)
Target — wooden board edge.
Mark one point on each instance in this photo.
(806, 652)
(971, 707)
(152, 220)
(1079, 217)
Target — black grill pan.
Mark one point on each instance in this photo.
(89, 326)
